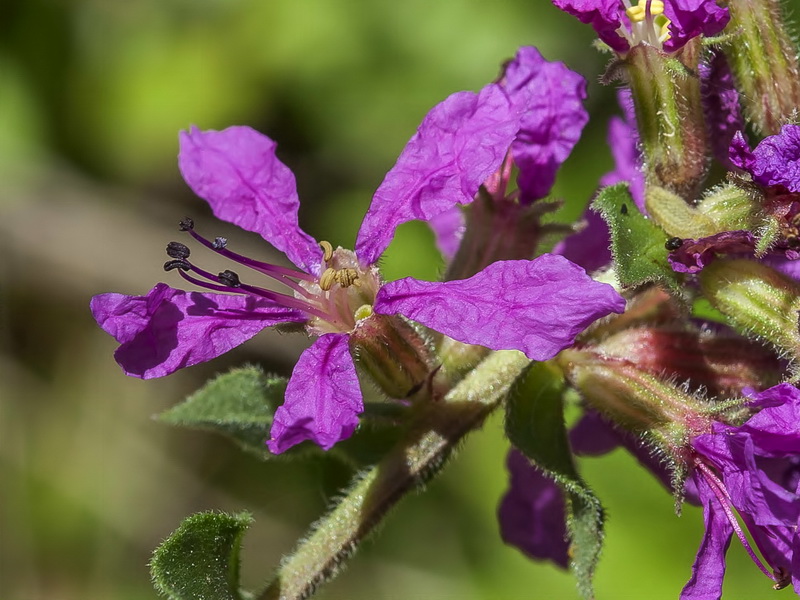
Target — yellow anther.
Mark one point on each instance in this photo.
(327, 279)
(327, 250)
(638, 13)
(347, 277)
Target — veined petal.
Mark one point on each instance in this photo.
(605, 17)
(169, 329)
(236, 171)
(551, 97)
(448, 227)
(708, 569)
(691, 18)
(536, 306)
(532, 513)
(459, 144)
(777, 159)
(323, 398)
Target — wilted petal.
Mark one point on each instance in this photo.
(551, 96)
(605, 16)
(169, 329)
(708, 569)
(691, 18)
(448, 227)
(537, 306)
(459, 144)
(532, 513)
(323, 398)
(236, 171)
(694, 255)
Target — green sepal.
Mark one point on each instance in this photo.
(200, 560)
(238, 404)
(637, 243)
(535, 425)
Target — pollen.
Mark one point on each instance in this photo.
(638, 13)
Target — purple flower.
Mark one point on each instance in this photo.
(774, 162)
(335, 292)
(753, 469)
(549, 99)
(668, 24)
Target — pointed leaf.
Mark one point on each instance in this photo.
(239, 404)
(535, 425)
(200, 560)
(636, 242)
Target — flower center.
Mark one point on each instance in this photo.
(335, 302)
(648, 24)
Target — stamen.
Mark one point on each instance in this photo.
(186, 224)
(220, 243)
(282, 299)
(178, 250)
(724, 500)
(230, 278)
(327, 279)
(344, 277)
(177, 264)
(327, 251)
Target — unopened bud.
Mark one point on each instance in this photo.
(669, 116)
(732, 207)
(393, 353)
(675, 216)
(757, 300)
(635, 399)
(718, 360)
(764, 62)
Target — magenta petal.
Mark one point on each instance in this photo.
(591, 246)
(532, 513)
(708, 569)
(720, 104)
(323, 398)
(536, 306)
(691, 18)
(551, 97)
(448, 227)
(459, 144)
(236, 171)
(605, 16)
(169, 329)
(777, 159)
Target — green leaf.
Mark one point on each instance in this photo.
(239, 404)
(636, 242)
(200, 560)
(535, 425)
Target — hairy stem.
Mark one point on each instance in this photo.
(413, 462)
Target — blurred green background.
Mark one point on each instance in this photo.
(92, 95)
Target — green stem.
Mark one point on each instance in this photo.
(413, 462)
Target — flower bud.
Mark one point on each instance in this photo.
(393, 353)
(669, 116)
(675, 216)
(634, 398)
(764, 61)
(757, 300)
(732, 207)
(717, 360)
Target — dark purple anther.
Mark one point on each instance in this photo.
(177, 250)
(220, 243)
(229, 278)
(186, 224)
(177, 264)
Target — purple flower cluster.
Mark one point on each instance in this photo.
(535, 306)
